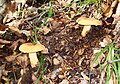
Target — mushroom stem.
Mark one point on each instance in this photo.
(85, 30)
(33, 59)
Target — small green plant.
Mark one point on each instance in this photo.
(49, 13)
(111, 65)
(82, 6)
(41, 65)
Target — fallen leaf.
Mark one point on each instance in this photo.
(45, 51)
(64, 81)
(83, 81)
(2, 27)
(99, 59)
(108, 12)
(85, 76)
(15, 30)
(23, 60)
(45, 30)
(81, 51)
(106, 41)
(61, 76)
(80, 61)
(10, 58)
(5, 41)
(56, 61)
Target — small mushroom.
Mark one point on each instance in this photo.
(87, 22)
(31, 49)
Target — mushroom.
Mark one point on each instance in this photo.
(87, 22)
(31, 49)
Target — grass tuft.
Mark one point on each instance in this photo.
(111, 65)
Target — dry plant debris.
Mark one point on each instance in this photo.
(68, 36)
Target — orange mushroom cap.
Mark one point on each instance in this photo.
(30, 48)
(88, 21)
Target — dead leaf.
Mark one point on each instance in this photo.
(45, 51)
(85, 76)
(106, 41)
(108, 12)
(23, 60)
(81, 51)
(15, 30)
(84, 81)
(95, 51)
(2, 27)
(64, 81)
(20, 1)
(56, 61)
(15, 23)
(5, 41)
(45, 30)
(80, 61)
(55, 24)
(10, 58)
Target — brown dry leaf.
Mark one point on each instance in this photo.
(85, 76)
(10, 58)
(81, 51)
(55, 24)
(117, 13)
(56, 61)
(64, 81)
(113, 79)
(1, 46)
(108, 12)
(80, 61)
(10, 11)
(83, 81)
(15, 23)
(116, 17)
(15, 30)
(34, 78)
(23, 60)
(72, 13)
(45, 30)
(5, 41)
(106, 41)
(5, 19)
(1, 70)
(11, 7)
(2, 27)
(45, 51)
(21, 2)
(64, 3)
(118, 9)
(26, 32)
(95, 51)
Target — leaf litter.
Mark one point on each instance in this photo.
(68, 55)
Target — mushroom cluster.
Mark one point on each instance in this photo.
(87, 22)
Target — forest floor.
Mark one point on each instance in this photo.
(68, 56)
